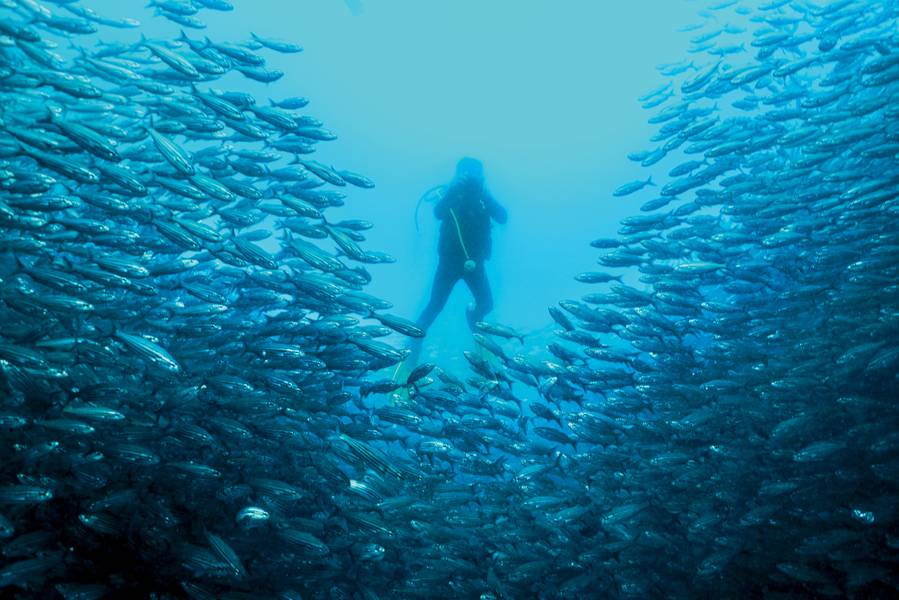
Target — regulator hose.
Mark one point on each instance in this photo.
(469, 264)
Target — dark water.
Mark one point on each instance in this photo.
(201, 399)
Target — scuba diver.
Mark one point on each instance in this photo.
(465, 209)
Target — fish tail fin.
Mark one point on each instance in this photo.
(48, 114)
(557, 462)
(106, 328)
(650, 181)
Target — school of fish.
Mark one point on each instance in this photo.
(193, 399)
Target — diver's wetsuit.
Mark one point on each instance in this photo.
(473, 208)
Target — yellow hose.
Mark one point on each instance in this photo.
(459, 232)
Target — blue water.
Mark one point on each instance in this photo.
(548, 104)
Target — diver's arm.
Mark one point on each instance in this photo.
(496, 212)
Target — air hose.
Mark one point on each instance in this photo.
(469, 265)
(437, 189)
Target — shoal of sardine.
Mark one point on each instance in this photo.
(193, 399)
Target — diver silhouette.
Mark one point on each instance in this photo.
(466, 211)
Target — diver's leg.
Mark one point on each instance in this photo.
(483, 297)
(444, 281)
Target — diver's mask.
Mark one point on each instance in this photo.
(470, 183)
